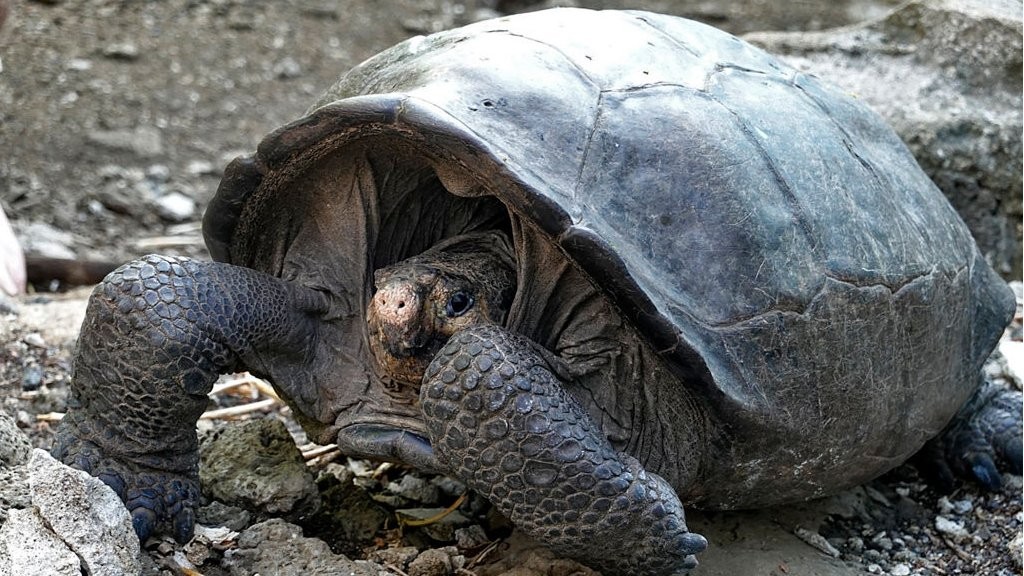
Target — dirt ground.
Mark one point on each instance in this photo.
(117, 117)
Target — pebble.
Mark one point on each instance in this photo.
(121, 51)
(79, 64)
(34, 339)
(175, 207)
(817, 541)
(900, 570)
(950, 527)
(144, 141)
(32, 379)
(200, 167)
(42, 239)
(416, 489)
(1016, 549)
(287, 68)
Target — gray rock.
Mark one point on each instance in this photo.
(143, 141)
(85, 514)
(255, 465)
(399, 557)
(277, 547)
(220, 514)
(121, 51)
(416, 489)
(42, 239)
(15, 446)
(14, 452)
(947, 75)
(435, 562)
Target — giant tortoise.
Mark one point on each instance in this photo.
(593, 264)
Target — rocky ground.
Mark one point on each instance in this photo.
(116, 119)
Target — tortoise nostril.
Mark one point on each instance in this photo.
(401, 304)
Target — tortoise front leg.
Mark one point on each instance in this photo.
(157, 334)
(500, 420)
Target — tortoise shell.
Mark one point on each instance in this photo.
(767, 235)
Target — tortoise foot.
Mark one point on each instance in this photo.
(160, 501)
(982, 442)
(500, 421)
(157, 333)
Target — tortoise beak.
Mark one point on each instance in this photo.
(383, 442)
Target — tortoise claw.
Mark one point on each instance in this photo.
(159, 501)
(982, 443)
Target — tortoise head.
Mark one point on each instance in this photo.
(422, 301)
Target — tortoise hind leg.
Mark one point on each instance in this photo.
(157, 334)
(500, 421)
(984, 437)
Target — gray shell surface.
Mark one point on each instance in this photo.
(768, 235)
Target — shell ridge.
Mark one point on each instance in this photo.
(895, 290)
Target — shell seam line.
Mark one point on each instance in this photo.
(587, 147)
(893, 291)
(672, 39)
(786, 189)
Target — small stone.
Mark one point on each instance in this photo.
(277, 547)
(158, 172)
(144, 141)
(200, 167)
(855, 544)
(950, 527)
(1016, 549)
(175, 207)
(32, 378)
(963, 507)
(79, 64)
(432, 562)
(471, 537)
(817, 541)
(287, 68)
(217, 513)
(400, 557)
(416, 489)
(900, 570)
(34, 339)
(882, 542)
(45, 240)
(874, 569)
(121, 51)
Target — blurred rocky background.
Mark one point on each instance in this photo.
(117, 117)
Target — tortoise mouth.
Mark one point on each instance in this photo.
(379, 441)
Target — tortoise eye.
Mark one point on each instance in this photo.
(458, 304)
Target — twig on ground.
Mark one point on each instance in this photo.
(232, 411)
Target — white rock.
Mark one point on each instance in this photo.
(900, 569)
(950, 527)
(86, 514)
(29, 548)
(175, 207)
